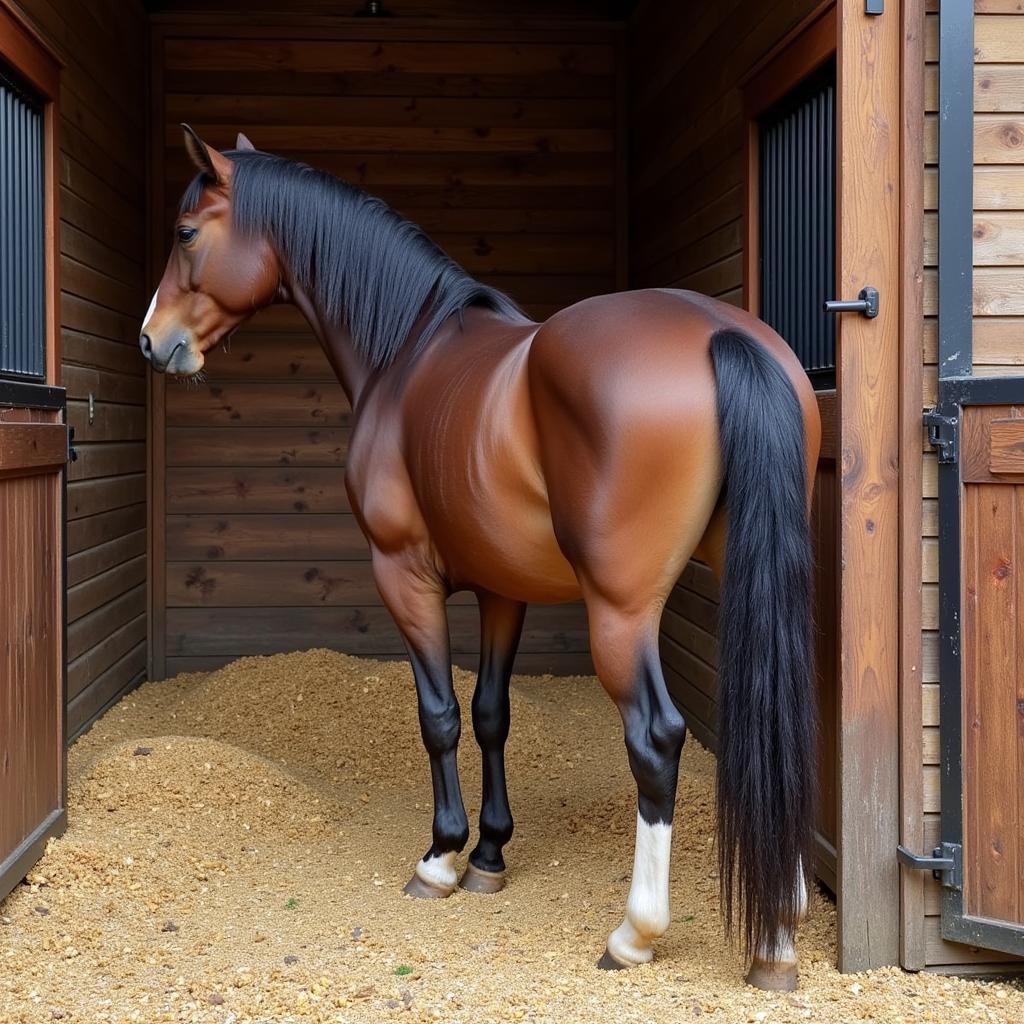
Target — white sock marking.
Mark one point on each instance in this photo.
(786, 944)
(647, 909)
(439, 871)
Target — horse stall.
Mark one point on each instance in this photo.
(229, 841)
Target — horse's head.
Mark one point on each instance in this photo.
(215, 277)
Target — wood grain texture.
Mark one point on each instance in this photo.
(993, 701)
(101, 234)
(31, 659)
(869, 369)
(501, 142)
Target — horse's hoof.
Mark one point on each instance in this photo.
(780, 977)
(424, 890)
(609, 963)
(475, 879)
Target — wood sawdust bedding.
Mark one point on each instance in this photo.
(239, 840)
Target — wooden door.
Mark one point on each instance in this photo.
(33, 452)
(980, 432)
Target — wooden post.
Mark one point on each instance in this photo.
(868, 371)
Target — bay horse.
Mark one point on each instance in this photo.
(589, 456)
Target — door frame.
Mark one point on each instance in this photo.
(878, 432)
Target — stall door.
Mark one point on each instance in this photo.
(33, 454)
(978, 430)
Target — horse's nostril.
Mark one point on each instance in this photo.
(146, 345)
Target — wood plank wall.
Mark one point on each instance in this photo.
(501, 142)
(998, 330)
(102, 234)
(686, 173)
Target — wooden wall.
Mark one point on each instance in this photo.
(686, 202)
(102, 236)
(998, 347)
(501, 142)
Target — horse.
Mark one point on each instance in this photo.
(589, 456)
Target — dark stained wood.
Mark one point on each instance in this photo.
(31, 662)
(254, 538)
(33, 449)
(37, 446)
(98, 174)
(257, 446)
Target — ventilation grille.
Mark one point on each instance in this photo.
(22, 233)
(798, 221)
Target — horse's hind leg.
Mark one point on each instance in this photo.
(501, 622)
(625, 650)
(779, 973)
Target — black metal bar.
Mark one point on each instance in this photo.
(956, 187)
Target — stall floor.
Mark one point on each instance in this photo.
(239, 841)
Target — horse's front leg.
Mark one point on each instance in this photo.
(417, 603)
(501, 622)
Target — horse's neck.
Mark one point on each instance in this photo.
(350, 369)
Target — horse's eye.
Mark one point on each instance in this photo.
(185, 235)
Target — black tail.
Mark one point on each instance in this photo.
(767, 721)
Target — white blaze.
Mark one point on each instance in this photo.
(647, 909)
(149, 312)
(439, 871)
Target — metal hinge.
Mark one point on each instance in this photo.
(945, 863)
(943, 435)
(874, 6)
(72, 450)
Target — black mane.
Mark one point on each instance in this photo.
(364, 265)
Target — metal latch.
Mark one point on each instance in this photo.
(866, 303)
(945, 863)
(72, 450)
(942, 434)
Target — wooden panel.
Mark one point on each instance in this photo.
(1006, 447)
(367, 631)
(501, 142)
(254, 538)
(31, 663)
(992, 432)
(36, 446)
(101, 171)
(993, 701)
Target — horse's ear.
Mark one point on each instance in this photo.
(243, 143)
(207, 159)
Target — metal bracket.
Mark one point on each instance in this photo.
(72, 450)
(866, 303)
(945, 863)
(874, 7)
(943, 435)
